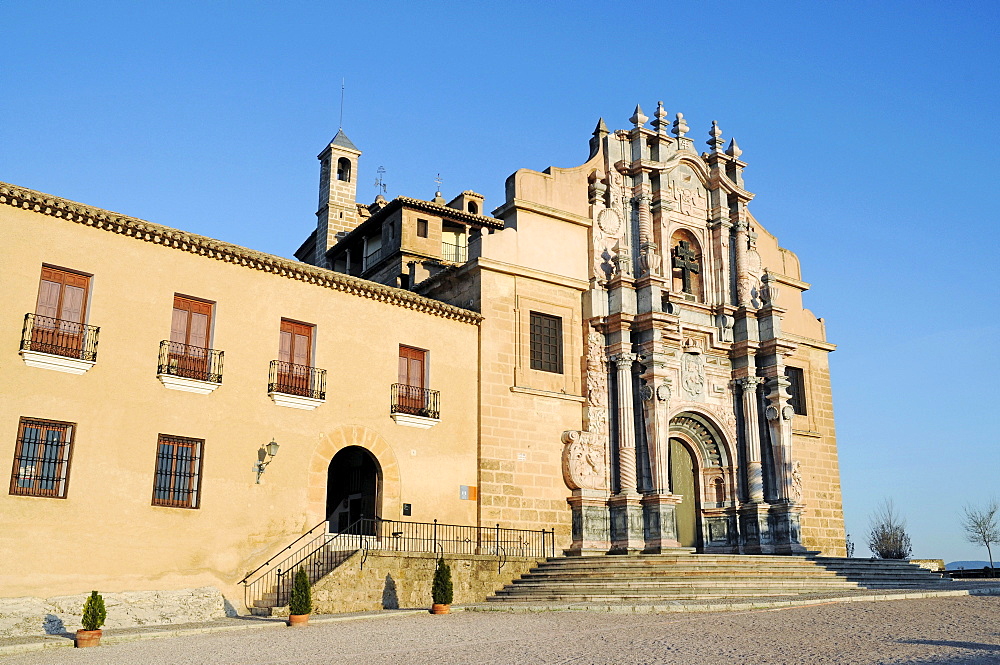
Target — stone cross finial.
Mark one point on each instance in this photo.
(680, 126)
(684, 258)
(638, 118)
(716, 141)
(733, 150)
(661, 124)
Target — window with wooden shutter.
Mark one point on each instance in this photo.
(190, 333)
(60, 312)
(41, 458)
(546, 342)
(410, 394)
(797, 390)
(295, 358)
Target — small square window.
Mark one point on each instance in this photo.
(421, 228)
(41, 458)
(546, 342)
(177, 482)
(797, 390)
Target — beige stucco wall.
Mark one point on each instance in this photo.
(105, 535)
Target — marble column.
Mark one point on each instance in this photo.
(626, 506)
(751, 438)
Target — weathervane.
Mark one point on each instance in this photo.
(438, 180)
(342, 85)
(380, 181)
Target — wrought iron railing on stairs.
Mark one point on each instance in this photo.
(324, 551)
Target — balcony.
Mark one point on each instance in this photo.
(373, 257)
(63, 346)
(454, 253)
(189, 368)
(413, 406)
(296, 386)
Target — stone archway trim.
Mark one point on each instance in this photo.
(332, 442)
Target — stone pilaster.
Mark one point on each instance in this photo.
(591, 527)
(660, 522)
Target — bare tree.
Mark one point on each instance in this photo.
(888, 538)
(849, 545)
(981, 526)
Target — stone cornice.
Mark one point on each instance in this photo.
(53, 206)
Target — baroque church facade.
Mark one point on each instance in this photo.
(618, 353)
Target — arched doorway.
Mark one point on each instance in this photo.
(353, 488)
(683, 473)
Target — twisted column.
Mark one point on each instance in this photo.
(751, 435)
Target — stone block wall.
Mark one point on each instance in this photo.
(28, 616)
(403, 580)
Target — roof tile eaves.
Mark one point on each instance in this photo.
(28, 199)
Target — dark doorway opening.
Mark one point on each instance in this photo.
(353, 489)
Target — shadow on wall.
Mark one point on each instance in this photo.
(390, 600)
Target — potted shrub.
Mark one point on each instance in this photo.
(94, 615)
(441, 590)
(300, 602)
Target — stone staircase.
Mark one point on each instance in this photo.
(648, 578)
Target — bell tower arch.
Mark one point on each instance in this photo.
(338, 211)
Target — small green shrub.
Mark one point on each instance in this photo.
(94, 613)
(300, 601)
(442, 591)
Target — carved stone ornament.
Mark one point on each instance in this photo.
(584, 461)
(610, 222)
(771, 413)
(694, 373)
(796, 488)
(663, 392)
(646, 393)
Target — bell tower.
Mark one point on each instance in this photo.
(337, 210)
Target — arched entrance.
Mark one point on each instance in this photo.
(683, 481)
(353, 488)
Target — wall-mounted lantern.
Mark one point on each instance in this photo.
(264, 457)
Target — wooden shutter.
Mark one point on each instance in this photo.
(296, 343)
(191, 322)
(62, 295)
(411, 366)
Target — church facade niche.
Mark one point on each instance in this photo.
(686, 265)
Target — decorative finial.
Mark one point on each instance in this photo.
(661, 123)
(601, 128)
(716, 141)
(638, 118)
(680, 126)
(380, 181)
(733, 150)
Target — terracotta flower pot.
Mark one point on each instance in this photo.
(298, 619)
(88, 638)
(438, 608)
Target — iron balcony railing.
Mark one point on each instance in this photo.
(416, 401)
(319, 552)
(456, 253)
(58, 337)
(190, 362)
(301, 380)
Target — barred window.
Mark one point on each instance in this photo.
(546, 342)
(797, 390)
(177, 482)
(41, 458)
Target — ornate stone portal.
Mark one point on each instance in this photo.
(680, 441)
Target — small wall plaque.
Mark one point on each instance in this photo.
(407, 510)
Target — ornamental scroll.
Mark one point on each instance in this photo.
(585, 458)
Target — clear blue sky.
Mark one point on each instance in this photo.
(870, 130)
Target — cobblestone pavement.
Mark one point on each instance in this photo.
(935, 630)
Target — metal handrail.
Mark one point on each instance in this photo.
(453, 252)
(59, 337)
(415, 401)
(268, 562)
(192, 362)
(291, 379)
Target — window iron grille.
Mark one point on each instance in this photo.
(41, 458)
(177, 482)
(546, 342)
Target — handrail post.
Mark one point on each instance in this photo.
(435, 535)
